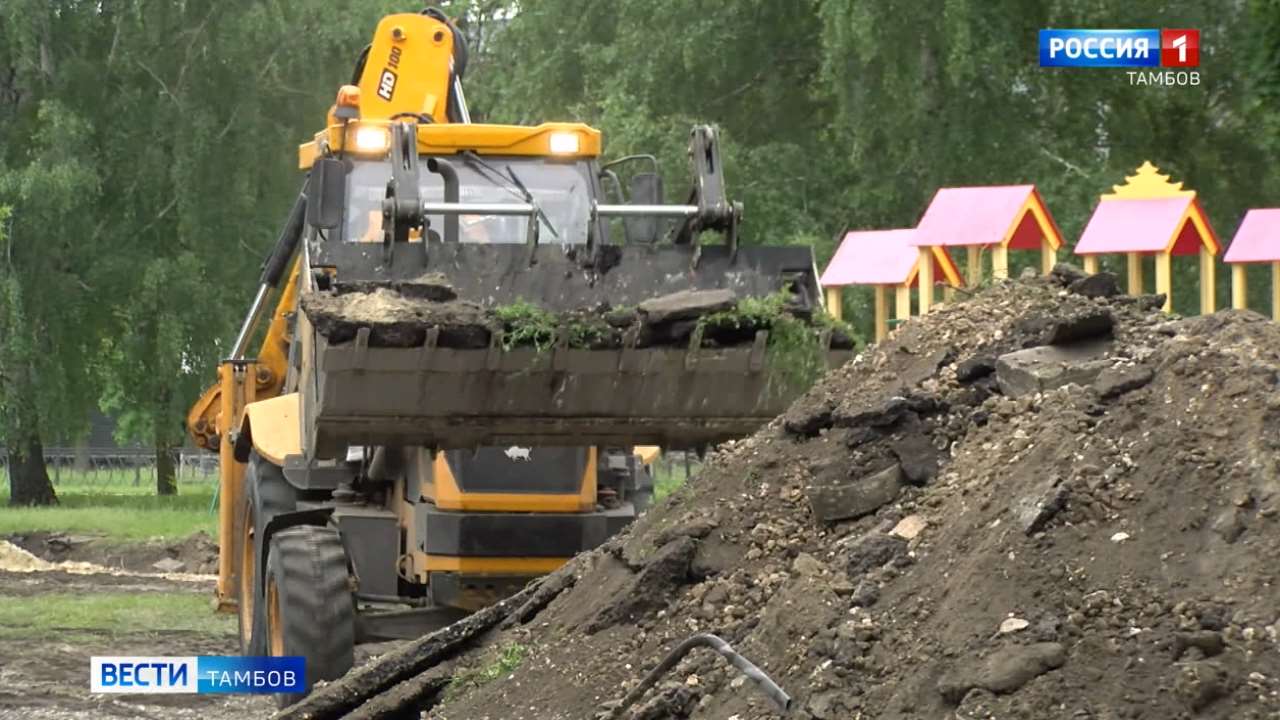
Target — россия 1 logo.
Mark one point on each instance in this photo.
(1176, 50)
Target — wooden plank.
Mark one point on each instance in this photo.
(835, 302)
(340, 697)
(882, 313)
(1048, 256)
(999, 262)
(926, 280)
(1091, 264)
(902, 303)
(1275, 291)
(1135, 273)
(973, 265)
(1164, 278)
(1208, 287)
(1239, 286)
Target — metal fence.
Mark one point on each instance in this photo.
(102, 467)
(119, 466)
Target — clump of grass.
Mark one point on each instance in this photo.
(506, 661)
(584, 334)
(527, 325)
(524, 324)
(795, 356)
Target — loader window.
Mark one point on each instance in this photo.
(561, 190)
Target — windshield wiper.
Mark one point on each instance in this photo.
(494, 176)
(529, 199)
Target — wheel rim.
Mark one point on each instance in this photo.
(246, 582)
(274, 626)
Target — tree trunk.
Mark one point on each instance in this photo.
(166, 474)
(28, 477)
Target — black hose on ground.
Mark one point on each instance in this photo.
(766, 684)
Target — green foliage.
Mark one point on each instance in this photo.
(119, 513)
(148, 148)
(506, 660)
(114, 613)
(795, 356)
(525, 324)
(851, 113)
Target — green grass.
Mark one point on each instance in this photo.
(119, 511)
(505, 663)
(667, 478)
(116, 613)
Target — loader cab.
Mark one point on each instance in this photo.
(563, 190)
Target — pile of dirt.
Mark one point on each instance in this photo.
(404, 313)
(1047, 501)
(15, 559)
(196, 554)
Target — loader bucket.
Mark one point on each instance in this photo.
(445, 373)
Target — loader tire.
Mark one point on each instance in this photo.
(266, 494)
(310, 608)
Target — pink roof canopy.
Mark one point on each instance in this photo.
(987, 215)
(1125, 225)
(881, 257)
(1258, 239)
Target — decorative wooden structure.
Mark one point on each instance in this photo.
(884, 260)
(996, 218)
(1151, 215)
(1257, 241)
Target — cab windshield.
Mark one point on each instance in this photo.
(562, 191)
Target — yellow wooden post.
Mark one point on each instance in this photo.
(882, 313)
(1048, 256)
(1135, 273)
(1164, 278)
(835, 302)
(1239, 287)
(973, 263)
(1208, 286)
(1091, 264)
(948, 293)
(902, 303)
(999, 262)
(926, 280)
(1275, 291)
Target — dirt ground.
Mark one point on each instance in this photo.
(44, 672)
(944, 530)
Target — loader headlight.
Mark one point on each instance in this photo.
(372, 140)
(564, 143)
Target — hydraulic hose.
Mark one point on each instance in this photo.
(273, 270)
(766, 684)
(449, 174)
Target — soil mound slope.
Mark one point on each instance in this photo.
(1047, 501)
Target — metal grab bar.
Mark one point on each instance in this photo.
(674, 211)
(448, 208)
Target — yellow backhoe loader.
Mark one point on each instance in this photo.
(380, 478)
